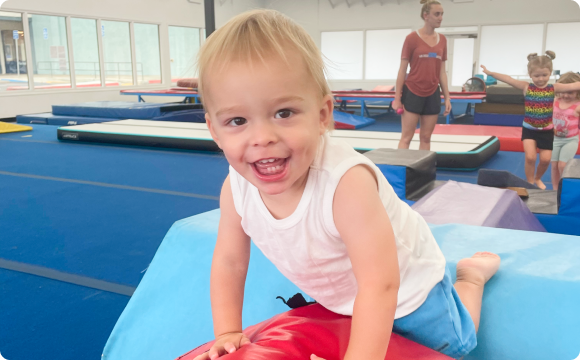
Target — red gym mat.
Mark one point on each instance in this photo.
(312, 329)
(510, 137)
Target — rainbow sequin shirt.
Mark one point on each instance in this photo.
(539, 107)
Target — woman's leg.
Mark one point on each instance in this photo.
(530, 165)
(545, 156)
(556, 174)
(472, 274)
(428, 123)
(409, 122)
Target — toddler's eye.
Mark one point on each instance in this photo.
(237, 121)
(283, 114)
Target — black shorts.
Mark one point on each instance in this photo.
(429, 105)
(544, 138)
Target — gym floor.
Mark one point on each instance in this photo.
(80, 223)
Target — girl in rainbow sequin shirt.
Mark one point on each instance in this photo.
(537, 131)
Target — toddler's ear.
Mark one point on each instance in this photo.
(211, 130)
(326, 113)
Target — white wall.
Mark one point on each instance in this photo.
(226, 9)
(319, 15)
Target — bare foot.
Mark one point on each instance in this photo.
(539, 183)
(479, 268)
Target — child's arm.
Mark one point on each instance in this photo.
(365, 228)
(444, 86)
(518, 84)
(559, 87)
(228, 275)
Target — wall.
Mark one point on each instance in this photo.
(319, 15)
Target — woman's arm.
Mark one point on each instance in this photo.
(400, 83)
(559, 87)
(445, 87)
(365, 228)
(228, 276)
(518, 84)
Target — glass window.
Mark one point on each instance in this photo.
(117, 53)
(86, 52)
(49, 51)
(558, 41)
(383, 53)
(13, 64)
(462, 60)
(147, 54)
(505, 48)
(183, 48)
(344, 53)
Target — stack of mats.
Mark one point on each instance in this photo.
(504, 106)
(346, 121)
(530, 308)
(104, 111)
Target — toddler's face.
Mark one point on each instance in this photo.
(568, 96)
(267, 118)
(540, 76)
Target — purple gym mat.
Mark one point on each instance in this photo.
(469, 204)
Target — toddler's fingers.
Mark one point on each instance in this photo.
(213, 353)
(244, 341)
(314, 357)
(204, 356)
(229, 347)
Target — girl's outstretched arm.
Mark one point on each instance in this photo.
(364, 226)
(559, 87)
(228, 276)
(518, 84)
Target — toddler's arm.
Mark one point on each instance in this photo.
(559, 87)
(518, 84)
(365, 228)
(228, 275)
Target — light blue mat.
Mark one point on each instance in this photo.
(531, 308)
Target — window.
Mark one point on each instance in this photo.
(383, 53)
(505, 48)
(559, 41)
(462, 60)
(147, 54)
(13, 64)
(117, 53)
(184, 44)
(344, 53)
(48, 41)
(85, 49)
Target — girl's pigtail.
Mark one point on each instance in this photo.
(551, 54)
(532, 56)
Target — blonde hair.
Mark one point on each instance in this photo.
(569, 78)
(253, 36)
(541, 62)
(427, 6)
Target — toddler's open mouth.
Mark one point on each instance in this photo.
(270, 169)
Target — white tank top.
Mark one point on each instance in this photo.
(306, 246)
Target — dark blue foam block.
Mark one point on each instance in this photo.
(570, 198)
(560, 224)
(43, 318)
(41, 118)
(61, 120)
(117, 109)
(196, 116)
(397, 177)
(42, 154)
(498, 119)
(529, 308)
(105, 233)
(354, 121)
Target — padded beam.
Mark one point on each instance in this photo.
(469, 204)
(502, 94)
(408, 171)
(530, 308)
(569, 189)
(122, 109)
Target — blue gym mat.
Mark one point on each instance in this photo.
(123, 109)
(529, 308)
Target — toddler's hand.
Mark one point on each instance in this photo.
(224, 344)
(314, 357)
(485, 71)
